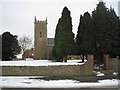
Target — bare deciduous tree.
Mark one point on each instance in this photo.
(25, 42)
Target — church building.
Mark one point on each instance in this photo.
(43, 46)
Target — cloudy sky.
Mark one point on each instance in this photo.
(17, 16)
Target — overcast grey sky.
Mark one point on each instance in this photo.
(17, 16)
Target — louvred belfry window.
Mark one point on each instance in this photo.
(40, 34)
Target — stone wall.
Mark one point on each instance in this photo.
(49, 52)
(74, 57)
(54, 70)
(114, 64)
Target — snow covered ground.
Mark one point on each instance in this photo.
(100, 74)
(30, 62)
(25, 82)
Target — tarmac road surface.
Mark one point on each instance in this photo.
(60, 89)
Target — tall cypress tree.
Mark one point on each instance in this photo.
(64, 37)
(88, 40)
(0, 47)
(118, 42)
(79, 38)
(105, 24)
(112, 32)
(84, 39)
(100, 29)
(116, 46)
(99, 34)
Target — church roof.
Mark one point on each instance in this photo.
(50, 41)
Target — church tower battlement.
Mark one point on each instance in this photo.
(40, 36)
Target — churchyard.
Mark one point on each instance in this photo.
(71, 74)
(89, 60)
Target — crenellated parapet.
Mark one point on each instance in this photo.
(40, 21)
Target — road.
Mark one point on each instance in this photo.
(61, 89)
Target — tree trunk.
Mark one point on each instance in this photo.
(99, 59)
(82, 58)
(86, 57)
(65, 59)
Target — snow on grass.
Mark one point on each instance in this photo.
(100, 74)
(115, 73)
(38, 63)
(25, 82)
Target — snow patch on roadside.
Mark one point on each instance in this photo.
(67, 83)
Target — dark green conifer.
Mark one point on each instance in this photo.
(10, 46)
(84, 39)
(64, 37)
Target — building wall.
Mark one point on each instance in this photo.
(40, 43)
(114, 64)
(28, 54)
(49, 52)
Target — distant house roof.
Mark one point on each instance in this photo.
(50, 41)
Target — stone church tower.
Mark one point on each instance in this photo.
(40, 36)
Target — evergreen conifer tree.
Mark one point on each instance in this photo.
(105, 29)
(84, 39)
(99, 34)
(64, 37)
(10, 46)
(113, 33)
(79, 38)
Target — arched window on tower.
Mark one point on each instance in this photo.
(40, 34)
